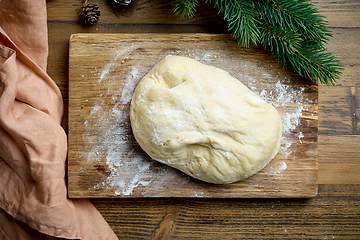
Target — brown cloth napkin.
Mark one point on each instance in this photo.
(33, 145)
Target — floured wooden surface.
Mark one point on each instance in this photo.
(104, 158)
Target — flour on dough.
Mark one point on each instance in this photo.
(200, 120)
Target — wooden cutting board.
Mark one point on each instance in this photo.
(104, 159)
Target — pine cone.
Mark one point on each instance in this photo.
(89, 13)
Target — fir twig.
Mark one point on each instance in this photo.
(185, 8)
(300, 16)
(242, 20)
(315, 64)
(293, 31)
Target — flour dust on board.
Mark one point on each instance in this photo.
(118, 146)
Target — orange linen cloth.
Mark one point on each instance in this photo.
(33, 145)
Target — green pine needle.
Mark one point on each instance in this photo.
(185, 8)
(242, 20)
(280, 41)
(316, 65)
(293, 31)
(299, 16)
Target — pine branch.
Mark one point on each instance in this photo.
(242, 20)
(280, 41)
(185, 8)
(309, 61)
(296, 38)
(300, 16)
(315, 64)
(293, 31)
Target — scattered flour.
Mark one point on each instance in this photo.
(129, 86)
(114, 131)
(276, 169)
(282, 96)
(120, 54)
(113, 125)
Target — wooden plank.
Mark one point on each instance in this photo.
(335, 117)
(139, 11)
(342, 13)
(355, 109)
(339, 158)
(333, 214)
(339, 108)
(345, 46)
(102, 64)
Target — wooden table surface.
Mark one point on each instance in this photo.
(333, 214)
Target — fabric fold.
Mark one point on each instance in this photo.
(33, 145)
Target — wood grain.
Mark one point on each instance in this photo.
(92, 55)
(333, 214)
(339, 159)
(140, 11)
(344, 45)
(335, 112)
(341, 13)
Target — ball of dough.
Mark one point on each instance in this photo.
(200, 120)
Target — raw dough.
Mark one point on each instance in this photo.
(202, 121)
